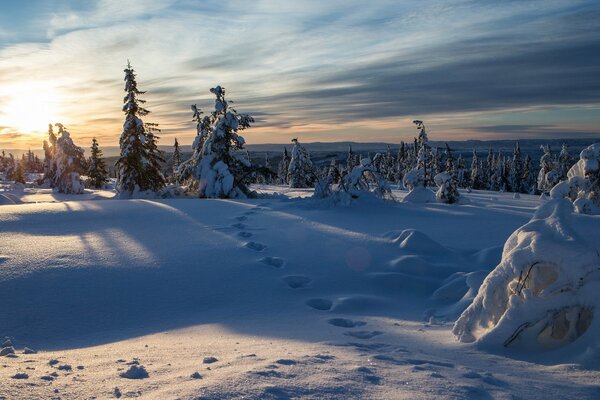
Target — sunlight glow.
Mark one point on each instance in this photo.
(30, 107)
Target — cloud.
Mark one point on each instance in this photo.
(321, 68)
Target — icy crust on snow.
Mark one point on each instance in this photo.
(544, 293)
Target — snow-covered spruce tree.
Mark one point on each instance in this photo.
(352, 160)
(450, 163)
(185, 173)
(402, 162)
(488, 170)
(515, 175)
(436, 162)
(476, 182)
(49, 154)
(529, 180)
(461, 172)
(282, 168)
(424, 152)
(447, 191)
(18, 176)
(564, 162)
(220, 172)
(583, 186)
(546, 166)
(176, 159)
(300, 171)
(97, 174)
(138, 167)
(69, 163)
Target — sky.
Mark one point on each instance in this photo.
(318, 70)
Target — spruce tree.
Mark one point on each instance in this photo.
(49, 154)
(475, 172)
(564, 162)
(488, 171)
(450, 163)
(300, 173)
(282, 169)
(529, 181)
(220, 171)
(97, 173)
(18, 175)
(138, 167)
(515, 179)
(69, 163)
(423, 155)
(352, 159)
(176, 158)
(546, 165)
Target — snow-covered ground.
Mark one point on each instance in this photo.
(271, 298)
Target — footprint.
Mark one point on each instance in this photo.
(245, 235)
(421, 362)
(368, 375)
(255, 246)
(363, 334)
(242, 218)
(239, 225)
(274, 262)
(285, 361)
(297, 281)
(320, 304)
(345, 323)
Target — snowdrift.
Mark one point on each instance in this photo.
(544, 293)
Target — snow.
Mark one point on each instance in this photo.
(291, 297)
(543, 293)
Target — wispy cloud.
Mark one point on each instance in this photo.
(319, 69)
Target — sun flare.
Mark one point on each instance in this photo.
(30, 107)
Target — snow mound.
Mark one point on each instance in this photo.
(135, 372)
(543, 294)
(420, 195)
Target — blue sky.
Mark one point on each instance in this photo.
(320, 70)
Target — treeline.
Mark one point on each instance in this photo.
(220, 166)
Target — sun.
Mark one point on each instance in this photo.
(29, 107)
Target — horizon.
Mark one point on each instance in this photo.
(322, 72)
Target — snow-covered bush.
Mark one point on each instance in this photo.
(363, 180)
(544, 293)
(69, 163)
(414, 181)
(220, 172)
(300, 171)
(447, 191)
(583, 185)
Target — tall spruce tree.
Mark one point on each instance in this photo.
(476, 182)
(546, 165)
(176, 158)
(138, 167)
(282, 169)
(424, 152)
(97, 173)
(300, 172)
(515, 178)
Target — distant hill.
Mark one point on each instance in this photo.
(528, 146)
